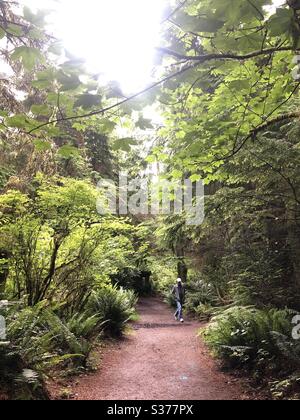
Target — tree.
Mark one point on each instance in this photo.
(238, 80)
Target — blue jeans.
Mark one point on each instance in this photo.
(179, 313)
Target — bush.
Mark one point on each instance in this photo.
(114, 307)
(201, 299)
(249, 337)
(43, 340)
(17, 382)
(260, 279)
(38, 340)
(85, 326)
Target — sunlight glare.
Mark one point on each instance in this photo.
(115, 37)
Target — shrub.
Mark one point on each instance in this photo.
(286, 388)
(114, 307)
(17, 382)
(39, 340)
(43, 340)
(246, 336)
(200, 299)
(85, 326)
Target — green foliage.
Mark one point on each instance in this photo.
(83, 325)
(163, 274)
(201, 299)
(45, 341)
(134, 279)
(60, 248)
(38, 340)
(211, 108)
(57, 252)
(28, 56)
(249, 337)
(228, 118)
(114, 307)
(17, 382)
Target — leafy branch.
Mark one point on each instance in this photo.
(223, 56)
(260, 129)
(116, 105)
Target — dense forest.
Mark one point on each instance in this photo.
(226, 89)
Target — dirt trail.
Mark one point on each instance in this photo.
(161, 360)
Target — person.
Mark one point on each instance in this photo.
(179, 293)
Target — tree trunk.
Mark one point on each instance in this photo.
(181, 265)
(294, 242)
(3, 271)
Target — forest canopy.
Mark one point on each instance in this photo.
(217, 100)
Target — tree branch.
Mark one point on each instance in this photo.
(219, 56)
(257, 130)
(118, 104)
(179, 7)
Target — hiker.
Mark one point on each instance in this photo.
(179, 293)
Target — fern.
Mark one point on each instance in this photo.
(245, 335)
(114, 307)
(83, 325)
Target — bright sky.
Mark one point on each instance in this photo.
(277, 3)
(116, 37)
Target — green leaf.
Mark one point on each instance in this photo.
(177, 174)
(87, 100)
(73, 66)
(15, 30)
(52, 130)
(29, 56)
(43, 110)
(79, 126)
(68, 81)
(41, 145)
(68, 151)
(36, 34)
(21, 121)
(124, 144)
(107, 126)
(195, 178)
(144, 123)
(44, 79)
(151, 159)
(133, 105)
(281, 22)
(38, 18)
(56, 48)
(198, 24)
(2, 33)
(18, 121)
(28, 14)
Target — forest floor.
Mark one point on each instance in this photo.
(159, 359)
